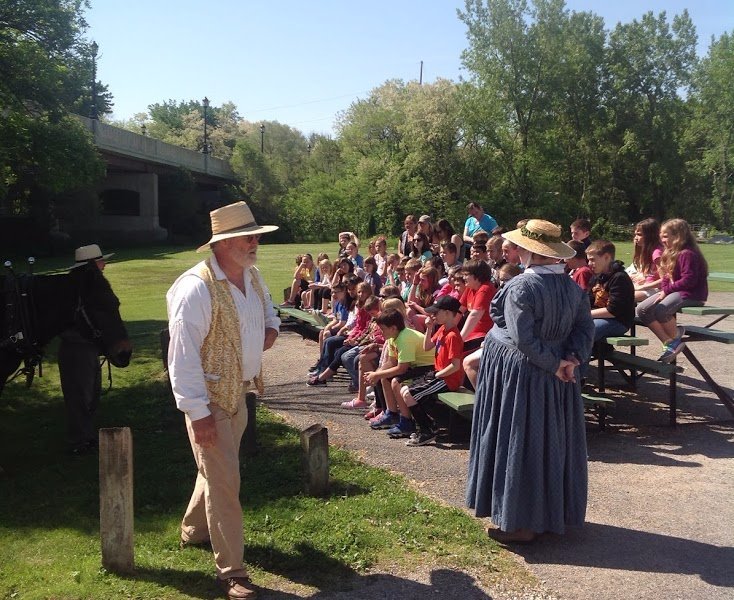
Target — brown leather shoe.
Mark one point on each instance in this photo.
(520, 536)
(238, 588)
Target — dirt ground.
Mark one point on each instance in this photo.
(660, 518)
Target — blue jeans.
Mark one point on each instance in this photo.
(331, 345)
(605, 328)
(350, 360)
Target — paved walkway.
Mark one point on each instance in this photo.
(661, 510)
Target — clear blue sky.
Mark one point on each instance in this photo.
(301, 62)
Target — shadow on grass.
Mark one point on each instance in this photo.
(335, 581)
(45, 487)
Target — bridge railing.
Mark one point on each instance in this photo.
(128, 143)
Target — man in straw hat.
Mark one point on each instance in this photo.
(80, 371)
(527, 459)
(221, 319)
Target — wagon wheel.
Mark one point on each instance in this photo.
(29, 369)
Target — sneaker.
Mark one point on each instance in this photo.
(354, 403)
(315, 381)
(402, 430)
(313, 369)
(376, 418)
(671, 350)
(421, 438)
(372, 412)
(384, 421)
(370, 396)
(681, 330)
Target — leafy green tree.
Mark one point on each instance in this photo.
(649, 62)
(43, 60)
(531, 111)
(710, 138)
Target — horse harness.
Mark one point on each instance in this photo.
(19, 332)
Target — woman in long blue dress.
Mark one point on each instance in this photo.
(527, 467)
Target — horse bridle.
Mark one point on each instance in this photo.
(81, 310)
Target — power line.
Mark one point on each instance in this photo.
(257, 110)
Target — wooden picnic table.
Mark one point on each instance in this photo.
(624, 362)
(708, 334)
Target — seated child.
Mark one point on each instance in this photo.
(373, 356)
(684, 282)
(447, 376)
(357, 319)
(339, 316)
(381, 257)
(471, 362)
(371, 340)
(392, 270)
(448, 289)
(360, 335)
(313, 297)
(475, 302)
(449, 254)
(407, 359)
(646, 259)
(425, 283)
(370, 275)
(578, 267)
(390, 291)
(581, 231)
(412, 266)
(612, 293)
(302, 277)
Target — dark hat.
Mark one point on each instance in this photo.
(444, 303)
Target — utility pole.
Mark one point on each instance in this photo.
(420, 80)
(93, 109)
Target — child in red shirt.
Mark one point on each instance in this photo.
(476, 300)
(448, 375)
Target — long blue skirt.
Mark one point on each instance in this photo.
(528, 462)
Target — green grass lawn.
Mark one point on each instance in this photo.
(49, 537)
(49, 507)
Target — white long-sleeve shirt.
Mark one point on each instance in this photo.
(189, 318)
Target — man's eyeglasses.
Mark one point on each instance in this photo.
(254, 236)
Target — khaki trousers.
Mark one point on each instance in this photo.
(214, 512)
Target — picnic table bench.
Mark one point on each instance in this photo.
(629, 365)
(461, 404)
(305, 323)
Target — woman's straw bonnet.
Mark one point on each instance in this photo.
(541, 237)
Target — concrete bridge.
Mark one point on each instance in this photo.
(128, 197)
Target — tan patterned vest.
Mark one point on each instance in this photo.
(221, 351)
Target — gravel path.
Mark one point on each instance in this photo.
(660, 515)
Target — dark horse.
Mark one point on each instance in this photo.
(42, 306)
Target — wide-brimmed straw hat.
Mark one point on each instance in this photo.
(84, 254)
(541, 237)
(234, 220)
